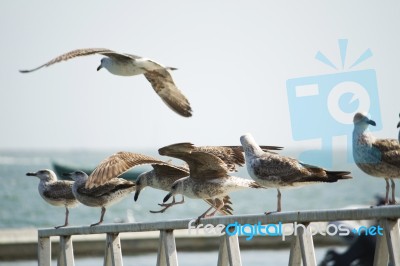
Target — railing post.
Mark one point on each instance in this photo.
(66, 256)
(306, 244)
(113, 253)
(167, 249)
(229, 251)
(44, 251)
(295, 252)
(388, 245)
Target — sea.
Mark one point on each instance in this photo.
(22, 207)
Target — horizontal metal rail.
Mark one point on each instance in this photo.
(302, 247)
(273, 218)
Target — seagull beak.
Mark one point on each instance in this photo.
(167, 197)
(137, 194)
(31, 174)
(99, 67)
(372, 122)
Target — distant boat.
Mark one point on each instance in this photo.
(59, 169)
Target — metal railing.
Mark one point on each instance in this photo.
(301, 250)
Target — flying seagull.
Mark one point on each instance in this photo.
(209, 177)
(55, 192)
(376, 157)
(273, 170)
(121, 64)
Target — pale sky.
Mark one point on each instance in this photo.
(234, 58)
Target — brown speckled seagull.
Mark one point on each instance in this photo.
(376, 157)
(122, 64)
(209, 178)
(56, 192)
(100, 196)
(273, 170)
(163, 176)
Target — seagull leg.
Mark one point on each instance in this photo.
(279, 205)
(103, 211)
(173, 202)
(218, 207)
(66, 219)
(387, 191)
(169, 204)
(279, 209)
(393, 192)
(205, 213)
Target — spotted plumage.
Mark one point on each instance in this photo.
(376, 157)
(163, 177)
(209, 176)
(101, 196)
(55, 192)
(273, 170)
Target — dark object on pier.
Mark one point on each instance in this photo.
(360, 253)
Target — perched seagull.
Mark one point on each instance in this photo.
(56, 192)
(103, 187)
(120, 64)
(209, 178)
(375, 157)
(101, 196)
(273, 170)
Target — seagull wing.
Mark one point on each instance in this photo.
(163, 84)
(59, 190)
(116, 165)
(231, 155)
(169, 170)
(270, 165)
(202, 165)
(84, 52)
(387, 150)
(108, 188)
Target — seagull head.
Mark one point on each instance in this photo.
(76, 175)
(141, 183)
(176, 188)
(249, 144)
(103, 63)
(44, 175)
(361, 120)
